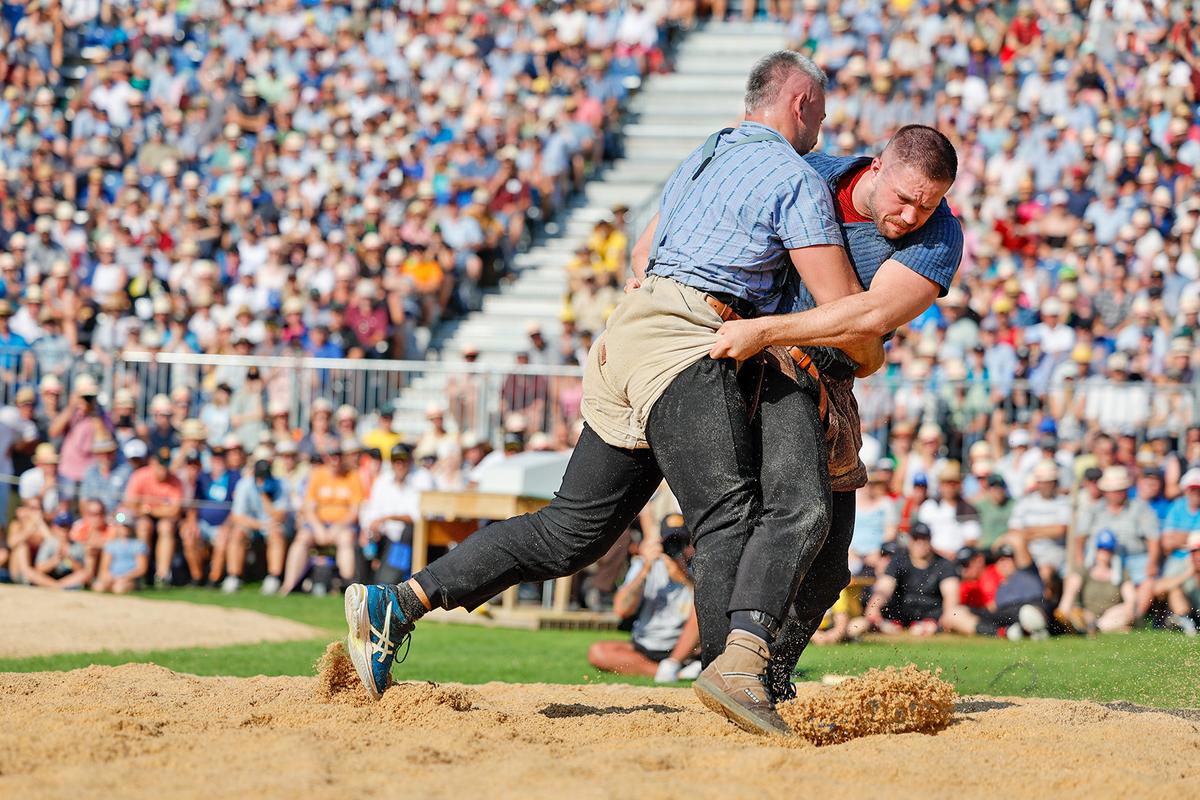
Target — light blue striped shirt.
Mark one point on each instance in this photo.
(736, 222)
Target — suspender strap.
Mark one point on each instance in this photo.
(805, 363)
(708, 154)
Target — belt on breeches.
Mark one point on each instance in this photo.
(802, 360)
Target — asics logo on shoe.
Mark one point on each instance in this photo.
(383, 647)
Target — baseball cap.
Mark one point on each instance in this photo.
(1190, 479)
(135, 448)
(514, 440)
(920, 479)
(401, 452)
(920, 530)
(997, 482)
(63, 519)
(1018, 438)
(262, 469)
(1106, 540)
(1092, 474)
(1004, 551)
(964, 555)
(672, 523)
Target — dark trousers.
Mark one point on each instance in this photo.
(774, 562)
(702, 442)
(826, 577)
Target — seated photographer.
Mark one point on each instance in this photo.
(658, 590)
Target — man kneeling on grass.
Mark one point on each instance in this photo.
(658, 590)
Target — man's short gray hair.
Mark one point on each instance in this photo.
(772, 71)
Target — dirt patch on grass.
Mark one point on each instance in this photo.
(38, 622)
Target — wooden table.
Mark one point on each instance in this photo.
(450, 517)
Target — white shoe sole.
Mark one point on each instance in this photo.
(1033, 621)
(358, 642)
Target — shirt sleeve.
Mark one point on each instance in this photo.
(1148, 525)
(935, 250)
(803, 215)
(241, 498)
(635, 566)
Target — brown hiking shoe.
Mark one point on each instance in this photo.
(732, 686)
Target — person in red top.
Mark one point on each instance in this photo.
(91, 531)
(156, 499)
(912, 502)
(979, 580)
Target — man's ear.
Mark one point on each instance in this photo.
(876, 165)
(798, 103)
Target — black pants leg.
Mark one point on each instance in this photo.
(602, 492)
(701, 435)
(794, 476)
(826, 578)
(750, 550)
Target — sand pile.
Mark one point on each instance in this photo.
(38, 622)
(143, 731)
(337, 682)
(891, 700)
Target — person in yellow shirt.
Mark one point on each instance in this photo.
(610, 247)
(382, 437)
(329, 516)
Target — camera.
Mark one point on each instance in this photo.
(674, 536)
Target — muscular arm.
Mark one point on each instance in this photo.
(824, 269)
(1044, 532)
(826, 272)
(897, 296)
(639, 257)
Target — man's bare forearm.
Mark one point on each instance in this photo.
(849, 323)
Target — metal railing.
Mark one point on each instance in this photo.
(480, 397)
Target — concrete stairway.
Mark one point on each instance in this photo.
(671, 115)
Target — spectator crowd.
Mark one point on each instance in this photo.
(336, 179)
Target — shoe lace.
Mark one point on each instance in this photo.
(381, 642)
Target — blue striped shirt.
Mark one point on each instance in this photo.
(730, 230)
(934, 250)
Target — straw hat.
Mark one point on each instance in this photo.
(1115, 479)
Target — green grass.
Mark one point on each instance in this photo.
(1147, 667)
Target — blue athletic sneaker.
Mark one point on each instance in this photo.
(377, 628)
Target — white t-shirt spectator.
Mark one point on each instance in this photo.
(569, 25)
(390, 497)
(1035, 511)
(32, 484)
(1056, 341)
(666, 606)
(953, 525)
